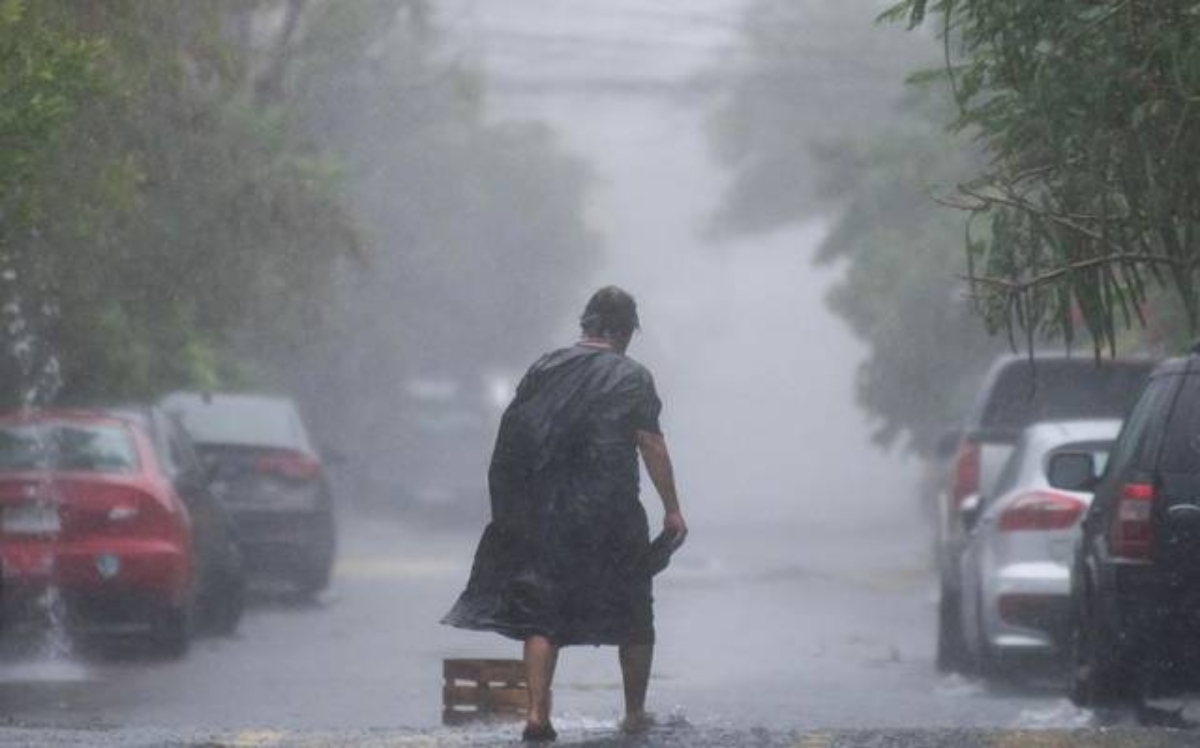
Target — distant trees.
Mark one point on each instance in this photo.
(156, 209)
(902, 258)
(476, 243)
(204, 193)
(812, 75)
(813, 124)
(1065, 130)
(1090, 199)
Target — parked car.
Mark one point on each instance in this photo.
(1016, 565)
(1136, 581)
(271, 480)
(1014, 394)
(110, 509)
(220, 589)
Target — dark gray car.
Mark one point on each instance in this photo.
(270, 478)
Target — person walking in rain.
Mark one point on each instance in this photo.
(567, 558)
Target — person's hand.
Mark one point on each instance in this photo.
(674, 524)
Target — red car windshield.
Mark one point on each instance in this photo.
(67, 446)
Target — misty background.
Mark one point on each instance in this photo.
(757, 375)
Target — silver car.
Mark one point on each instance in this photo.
(1016, 564)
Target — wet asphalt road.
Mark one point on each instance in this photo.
(780, 634)
(688, 737)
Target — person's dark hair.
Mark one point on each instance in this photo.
(610, 311)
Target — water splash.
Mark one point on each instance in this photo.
(39, 379)
(38, 368)
(56, 642)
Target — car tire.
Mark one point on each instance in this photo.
(1097, 675)
(171, 632)
(985, 662)
(952, 654)
(226, 607)
(312, 580)
(313, 576)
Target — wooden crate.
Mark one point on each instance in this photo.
(476, 690)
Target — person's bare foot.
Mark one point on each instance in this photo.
(635, 724)
(539, 732)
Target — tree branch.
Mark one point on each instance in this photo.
(1092, 263)
(1065, 220)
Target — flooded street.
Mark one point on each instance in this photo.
(768, 628)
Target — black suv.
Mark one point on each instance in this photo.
(1136, 578)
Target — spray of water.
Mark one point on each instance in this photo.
(38, 369)
(40, 380)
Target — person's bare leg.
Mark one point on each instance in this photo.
(636, 660)
(541, 657)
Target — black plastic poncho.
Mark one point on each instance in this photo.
(561, 556)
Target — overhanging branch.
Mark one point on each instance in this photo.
(1010, 285)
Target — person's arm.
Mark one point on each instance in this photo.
(658, 464)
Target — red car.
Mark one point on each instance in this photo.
(95, 505)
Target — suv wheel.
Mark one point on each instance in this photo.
(227, 606)
(1097, 677)
(952, 654)
(313, 577)
(985, 661)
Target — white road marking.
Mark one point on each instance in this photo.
(396, 567)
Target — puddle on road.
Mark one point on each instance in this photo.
(575, 728)
(959, 685)
(1061, 714)
(40, 686)
(47, 672)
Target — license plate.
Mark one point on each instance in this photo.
(30, 519)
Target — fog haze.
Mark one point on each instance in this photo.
(757, 376)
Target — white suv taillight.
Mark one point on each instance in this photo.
(1041, 510)
(1133, 532)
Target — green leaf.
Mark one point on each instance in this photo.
(11, 11)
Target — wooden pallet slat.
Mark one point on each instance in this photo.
(484, 671)
(498, 698)
(482, 689)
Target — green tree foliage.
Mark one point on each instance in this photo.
(901, 256)
(1090, 201)
(171, 212)
(290, 193)
(812, 125)
(45, 72)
